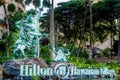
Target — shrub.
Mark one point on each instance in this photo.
(45, 53)
(105, 52)
(11, 7)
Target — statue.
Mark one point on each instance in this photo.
(29, 35)
(60, 54)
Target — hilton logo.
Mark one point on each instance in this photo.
(63, 71)
(34, 70)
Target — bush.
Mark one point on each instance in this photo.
(45, 53)
(11, 7)
(85, 63)
(3, 57)
(74, 51)
(105, 52)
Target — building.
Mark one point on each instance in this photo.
(4, 11)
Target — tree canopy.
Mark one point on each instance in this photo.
(70, 16)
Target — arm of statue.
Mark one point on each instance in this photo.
(37, 16)
(68, 52)
(29, 25)
(18, 24)
(38, 34)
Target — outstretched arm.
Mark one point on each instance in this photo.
(38, 34)
(18, 23)
(37, 16)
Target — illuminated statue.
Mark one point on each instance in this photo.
(60, 54)
(29, 35)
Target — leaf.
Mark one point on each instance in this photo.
(27, 2)
(46, 3)
(36, 3)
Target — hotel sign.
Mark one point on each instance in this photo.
(64, 71)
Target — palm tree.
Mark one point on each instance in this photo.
(119, 42)
(6, 17)
(52, 37)
(49, 4)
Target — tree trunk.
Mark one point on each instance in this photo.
(8, 53)
(111, 42)
(90, 5)
(52, 37)
(79, 47)
(119, 42)
(85, 42)
(6, 19)
(7, 24)
(57, 35)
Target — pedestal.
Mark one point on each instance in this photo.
(11, 68)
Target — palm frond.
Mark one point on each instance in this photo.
(27, 2)
(46, 3)
(37, 3)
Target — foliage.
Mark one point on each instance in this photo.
(82, 54)
(14, 17)
(36, 3)
(7, 43)
(104, 23)
(27, 2)
(3, 57)
(45, 22)
(86, 63)
(36, 77)
(11, 7)
(45, 53)
(31, 11)
(69, 18)
(19, 1)
(105, 52)
(46, 3)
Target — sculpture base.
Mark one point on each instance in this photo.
(11, 68)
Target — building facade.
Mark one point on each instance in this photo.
(4, 12)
